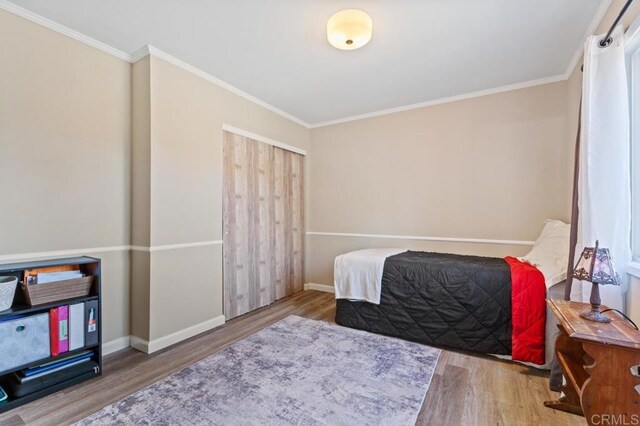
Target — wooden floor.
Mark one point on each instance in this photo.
(466, 389)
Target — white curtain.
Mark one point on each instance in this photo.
(604, 189)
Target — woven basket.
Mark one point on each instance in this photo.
(38, 294)
(7, 291)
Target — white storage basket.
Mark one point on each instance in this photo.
(7, 291)
(24, 340)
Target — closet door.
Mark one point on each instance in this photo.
(289, 219)
(263, 223)
(297, 208)
(282, 247)
(266, 223)
(238, 227)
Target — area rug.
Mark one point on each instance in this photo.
(296, 371)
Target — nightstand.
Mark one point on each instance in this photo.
(600, 365)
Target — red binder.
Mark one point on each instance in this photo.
(54, 331)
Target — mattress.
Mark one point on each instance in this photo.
(455, 301)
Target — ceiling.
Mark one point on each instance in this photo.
(277, 51)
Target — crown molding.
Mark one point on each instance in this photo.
(150, 50)
(593, 26)
(153, 51)
(471, 95)
(61, 29)
(139, 54)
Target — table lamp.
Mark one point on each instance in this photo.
(596, 266)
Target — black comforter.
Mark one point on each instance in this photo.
(461, 302)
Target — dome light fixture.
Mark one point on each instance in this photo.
(349, 29)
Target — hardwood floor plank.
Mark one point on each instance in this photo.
(466, 389)
(447, 398)
(13, 421)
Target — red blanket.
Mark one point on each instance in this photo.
(528, 312)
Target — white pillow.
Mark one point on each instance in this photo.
(550, 252)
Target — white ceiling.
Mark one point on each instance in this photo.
(276, 50)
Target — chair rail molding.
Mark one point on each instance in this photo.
(109, 249)
(424, 238)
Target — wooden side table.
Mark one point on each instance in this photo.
(600, 365)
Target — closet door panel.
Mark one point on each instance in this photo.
(253, 234)
(241, 191)
(263, 224)
(280, 209)
(288, 223)
(241, 226)
(266, 219)
(297, 225)
(229, 227)
(289, 199)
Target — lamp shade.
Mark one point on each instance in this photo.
(349, 29)
(596, 265)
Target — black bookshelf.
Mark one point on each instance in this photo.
(24, 309)
(88, 265)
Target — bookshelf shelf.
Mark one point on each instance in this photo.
(16, 402)
(46, 360)
(21, 308)
(24, 309)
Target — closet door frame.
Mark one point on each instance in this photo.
(247, 134)
(285, 270)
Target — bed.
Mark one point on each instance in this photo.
(460, 302)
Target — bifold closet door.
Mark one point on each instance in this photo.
(263, 223)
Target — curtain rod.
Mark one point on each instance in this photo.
(607, 40)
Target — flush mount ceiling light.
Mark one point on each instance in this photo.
(349, 29)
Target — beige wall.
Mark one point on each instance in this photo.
(65, 154)
(185, 180)
(633, 299)
(492, 167)
(98, 153)
(141, 152)
(140, 196)
(186, 170)
(324, 249)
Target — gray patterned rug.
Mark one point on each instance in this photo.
(297, 371)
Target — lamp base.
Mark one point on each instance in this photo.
(595, 316)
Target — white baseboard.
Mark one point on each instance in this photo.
(115, 345)
(139, 344)
(320, 287)
(155, 345)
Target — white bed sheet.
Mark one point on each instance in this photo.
(358, 274)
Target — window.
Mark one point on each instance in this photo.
(632, 41)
